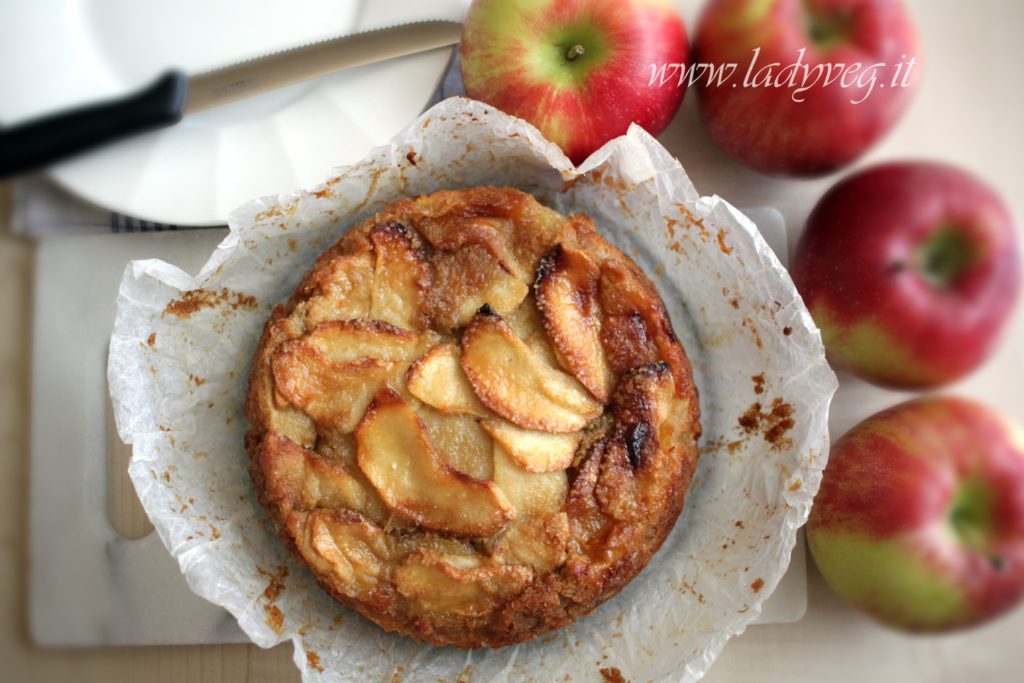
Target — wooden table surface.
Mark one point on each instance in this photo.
(969, 111)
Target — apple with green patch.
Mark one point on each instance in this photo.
(578, 70)
(911, 271)
(920, 516)
(828, 79)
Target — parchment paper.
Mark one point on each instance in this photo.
(179, 363)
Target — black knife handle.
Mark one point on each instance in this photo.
(36, 143)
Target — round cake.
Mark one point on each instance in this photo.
(472, 421)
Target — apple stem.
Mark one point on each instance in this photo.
(574, 52)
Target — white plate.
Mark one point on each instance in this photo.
(65, 52)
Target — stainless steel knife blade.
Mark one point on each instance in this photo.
(275, 70)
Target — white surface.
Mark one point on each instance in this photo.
(75, 51)
(89, 586)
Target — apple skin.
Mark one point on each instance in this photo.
(763, 127)
(911, 271)
(919, 520)
(514, 57)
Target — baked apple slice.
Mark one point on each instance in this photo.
(342, 291)
(461, 442)
(510, 379)
(354, 551)
(335, 395)
(636, 329)
(466, 585)
(265, 404)
(401, 276)
(333, 372)
(489, 233)
(540, 542)
(532, 450)
(300, 479)
(566, 293)
(530, 493)
(395, 455)
(437, 379)
(467, 279)
(342, 341)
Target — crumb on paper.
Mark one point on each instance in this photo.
(686, 587)
(276, 583)
(151, 341)
(757, 585)
(671, 224)
(612, 675)
(197, 299)
(314, 660)
(726, 249)
(772, 422)
(758, 381)
(275, 618)
(721, 444)
(752, 326)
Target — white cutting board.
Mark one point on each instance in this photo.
(88, 585)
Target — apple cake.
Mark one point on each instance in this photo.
(472, 421)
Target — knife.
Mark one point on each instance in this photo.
(55, 137)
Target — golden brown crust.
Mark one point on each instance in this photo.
(472, 420)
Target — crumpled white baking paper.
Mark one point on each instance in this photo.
(179, 363)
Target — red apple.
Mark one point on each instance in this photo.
(911, 271)
(920, 516)
(578, 70)
(776, 120)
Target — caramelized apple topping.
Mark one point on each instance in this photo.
(437, 379)
(268, 405)
(640, 458)
(333, 372)
(402, 276)
(464, 421)
(301, 479)
(538, 542)
(460, 441)
(467, 585)
(342, 290)
(636, 330)
(356, 551)
(532, 450)
(510, 379)
(341, 341)
(397, 457)
(530, 493)
(467, 279)
(566, 292)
